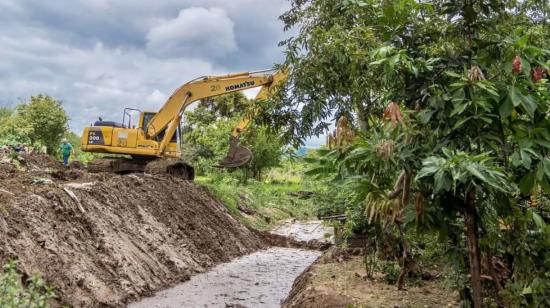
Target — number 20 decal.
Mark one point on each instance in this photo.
(214, 88)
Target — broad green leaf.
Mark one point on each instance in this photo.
(461, 122)
(539, 222)
(525, 158)
(453, 74)
(436, 102)
(424, 116)
(484, 85)
(441, 182)
(546, 163)
(529, 104)
(447, 152)
(527, 183)
(414, 70)
(506, 108)
(486, 119)
(476, 173)
(458, 96)
(522, 41)
(459, 108)
(426, 171)
(539, 175)
(543, 143)
(516, 159)
(378, 62)
(457, 85)
(525, 67)
(514, 95)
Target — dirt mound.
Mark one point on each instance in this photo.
(39, 161)
(105, 240)
(288, 242)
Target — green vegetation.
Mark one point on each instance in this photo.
(34, 294)
(450, 166)
(283, 193)
(42, 121)
(452, 101)
(207, 130)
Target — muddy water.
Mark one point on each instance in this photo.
(261, 279)
(305, 231)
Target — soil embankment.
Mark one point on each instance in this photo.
(105, 240)
(260, 279)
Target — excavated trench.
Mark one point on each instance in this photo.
(261, 279)
(105, 240)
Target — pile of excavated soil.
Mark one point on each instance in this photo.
(105, 240)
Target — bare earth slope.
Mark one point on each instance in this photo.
(104, 240)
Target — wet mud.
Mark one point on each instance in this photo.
(105, 240)
(261, 279)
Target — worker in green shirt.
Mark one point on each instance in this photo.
(66, 149)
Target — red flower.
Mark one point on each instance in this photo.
(538, 74)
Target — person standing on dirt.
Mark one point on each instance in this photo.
(66, 150)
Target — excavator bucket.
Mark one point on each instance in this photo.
(237, 155)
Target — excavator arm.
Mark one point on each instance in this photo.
(169, 116)
(239, 155)
(265, 92)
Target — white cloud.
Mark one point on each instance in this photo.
(195, 32)
(156, 97)
(101, 56)
(96, 82)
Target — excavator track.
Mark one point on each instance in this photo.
(120, 165)
(173, 167)
(115, 165)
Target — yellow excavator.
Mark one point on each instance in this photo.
(154, 146)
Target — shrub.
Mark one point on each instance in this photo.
(13, 294)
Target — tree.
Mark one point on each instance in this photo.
(208, 127)
(470, 78)
(43, 120)
(266, 148)
(11, 131)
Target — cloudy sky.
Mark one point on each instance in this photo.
(100, 56)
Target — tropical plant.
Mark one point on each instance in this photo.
(466, 91)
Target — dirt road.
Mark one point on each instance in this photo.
(260, 279)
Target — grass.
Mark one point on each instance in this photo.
(283, 194)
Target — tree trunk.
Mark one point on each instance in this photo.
(470, 220)
(405, 268)
(496, 278)
(362, 116)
